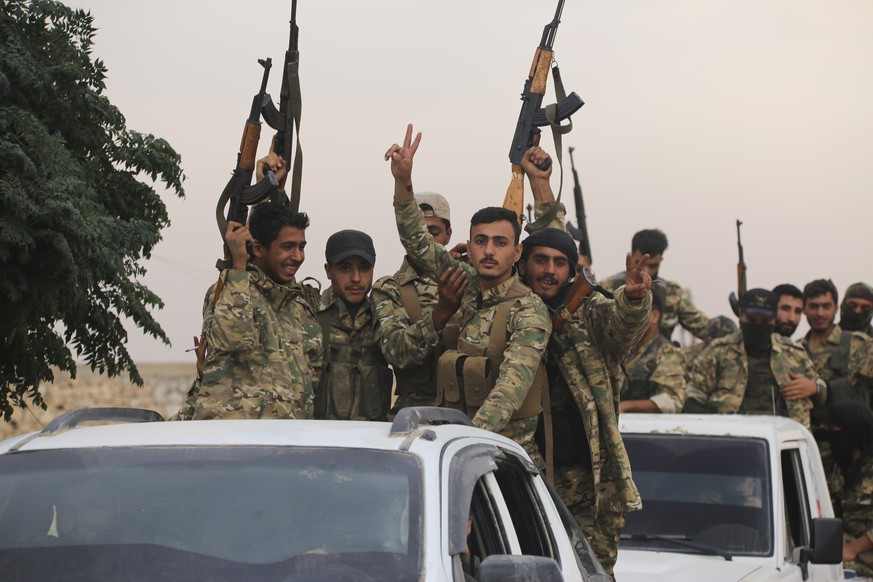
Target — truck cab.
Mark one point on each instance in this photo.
(727, 498)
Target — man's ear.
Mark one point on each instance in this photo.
(258, 249)
(327, 269)
(518, 249)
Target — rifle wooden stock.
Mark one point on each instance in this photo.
(514, 199)
(583, 286)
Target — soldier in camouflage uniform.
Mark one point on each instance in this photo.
(655, 369)
(678, 307)
(412, 312)
(789, 309)
(356, 383)
(843, 359)
(265, 350)
(496, 374)
(592, 473)
(754, 371)
(848, 429)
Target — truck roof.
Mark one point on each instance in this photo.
(773, 428)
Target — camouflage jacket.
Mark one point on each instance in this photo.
(678, 308)
(528, 327)
(265, 350)
(589, 351)
(411, 347)
(718, 377)
(356, 383)
(656, 372)
(859, 365)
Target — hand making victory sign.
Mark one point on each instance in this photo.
(401, 164)
(638, 281)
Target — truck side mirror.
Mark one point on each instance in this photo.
(826, 545)
(500, 568)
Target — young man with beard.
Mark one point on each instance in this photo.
(264, 352)
(789, 309)
(856, 310)
(678, 307)
(416, 315)
(356, 382)
(655, 380)
(496, 374)
(754, 371)
(591, 470)
(843, 359)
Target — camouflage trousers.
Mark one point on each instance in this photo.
(602, 526)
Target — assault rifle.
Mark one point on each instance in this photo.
(583, 285)
(734, 298)
(239, 194)
(287, 117)
(533, 116)
(580, 233)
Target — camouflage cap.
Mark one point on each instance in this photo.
(720, 326)
(859, 291)
(349, 243)
(438, 205)
(759, 302)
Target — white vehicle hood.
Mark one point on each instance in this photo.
(640, 566)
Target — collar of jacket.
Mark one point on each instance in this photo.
(275, 293)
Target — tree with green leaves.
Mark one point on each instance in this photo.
(79, 209)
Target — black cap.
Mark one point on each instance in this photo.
(349, 243)
(759, 302)
(553, 238)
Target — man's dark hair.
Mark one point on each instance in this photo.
(820, 287)
(787, 289)
(496, 214)
(651, 242)
(426, 206)
(268, 219)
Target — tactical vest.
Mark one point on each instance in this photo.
(422, 379)
(838, 385)
(466, 375)
(637, 385)
(356, 380)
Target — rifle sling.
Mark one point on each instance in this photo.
(557, 131)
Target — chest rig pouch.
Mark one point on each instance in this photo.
(466, 375)
(356, 381)
(422, 379)
(839, 388)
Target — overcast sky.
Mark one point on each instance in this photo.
(697, 113)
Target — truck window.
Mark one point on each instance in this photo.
(797, 514)
(525, 509)
(487, 535)
(714, 491)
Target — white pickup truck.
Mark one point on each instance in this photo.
(727, 498)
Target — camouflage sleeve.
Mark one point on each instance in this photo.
(404, 343)
(613, 282)
(690, 317)
(559, 221)
(313, 342)
(232, 328)
(702, 378)
(421, 250)
(669, 376)
(618, 325)
(528, 329)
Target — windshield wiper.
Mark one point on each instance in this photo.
(681, 540)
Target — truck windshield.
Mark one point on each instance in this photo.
(710, 490)
(210, 513)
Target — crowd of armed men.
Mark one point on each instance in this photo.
(471, 328)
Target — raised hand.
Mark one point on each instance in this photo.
(638, 282)
(401, 156)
